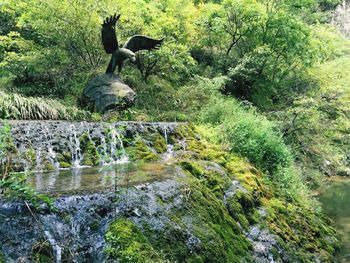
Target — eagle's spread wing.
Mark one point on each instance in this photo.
(109, 37)
(139, 42)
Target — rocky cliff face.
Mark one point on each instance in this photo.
(197, 203)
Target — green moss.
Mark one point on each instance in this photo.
(241, 207)
(128, 244)
(214, 155)
(64, 159)
(221, 239)
(65, 165)
(211, 178)
(194, 168)
(182, 132)
(141, 152)
(2, 258)
(48, 166)
(159, 144)
(84, 140)
(303, 232)
(91, 156)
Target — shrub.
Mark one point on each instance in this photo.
(256, 138)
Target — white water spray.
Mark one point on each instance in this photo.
(169, 147)
(74, 147)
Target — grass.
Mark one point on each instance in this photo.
(15, 106)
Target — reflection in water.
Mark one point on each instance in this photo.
(98, 178)
(336, 204)
(75, 179)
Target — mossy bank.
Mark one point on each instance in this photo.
(213, 207)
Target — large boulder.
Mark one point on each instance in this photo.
(106, 92)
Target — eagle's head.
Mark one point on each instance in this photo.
(132, 57)
(127, 53)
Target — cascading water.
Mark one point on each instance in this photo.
(87, 203)
(124, 157)
(112, 149)
(38, 159)
(74, 147)
(51, 155)
(169, 147)
(103, 151)
(54, 145)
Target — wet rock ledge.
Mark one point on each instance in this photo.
(51, 145)
(215, 207)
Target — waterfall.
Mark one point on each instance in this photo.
(74, 146)
(51, 155)
(124, 157)
(341, 17)
(169, 147)
(54, 145)
(105, 158)
(38, 159)
(113, 152)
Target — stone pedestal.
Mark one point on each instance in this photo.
(106, 92)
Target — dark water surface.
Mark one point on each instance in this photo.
(335, 201)
(99, 178)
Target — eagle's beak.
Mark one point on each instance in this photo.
(133, 59)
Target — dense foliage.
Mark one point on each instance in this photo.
(52, 47)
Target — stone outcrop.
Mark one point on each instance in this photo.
(209, 206)
(106, 92)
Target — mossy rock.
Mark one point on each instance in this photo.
(84, 140)
(185, 132)
(212, 179)
(87, 161)
(91, 154)
(64, 157)
(221, 239)
(159, 144)
(127, 244)
(48, 166)
(140, 152)
(65, 165)
(91, 157)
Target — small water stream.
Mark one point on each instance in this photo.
(335, 201)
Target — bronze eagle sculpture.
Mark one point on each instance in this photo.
(119, 54)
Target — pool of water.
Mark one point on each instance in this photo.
(99, 178)
(335, 201)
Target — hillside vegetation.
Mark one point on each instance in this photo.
(264, 78)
